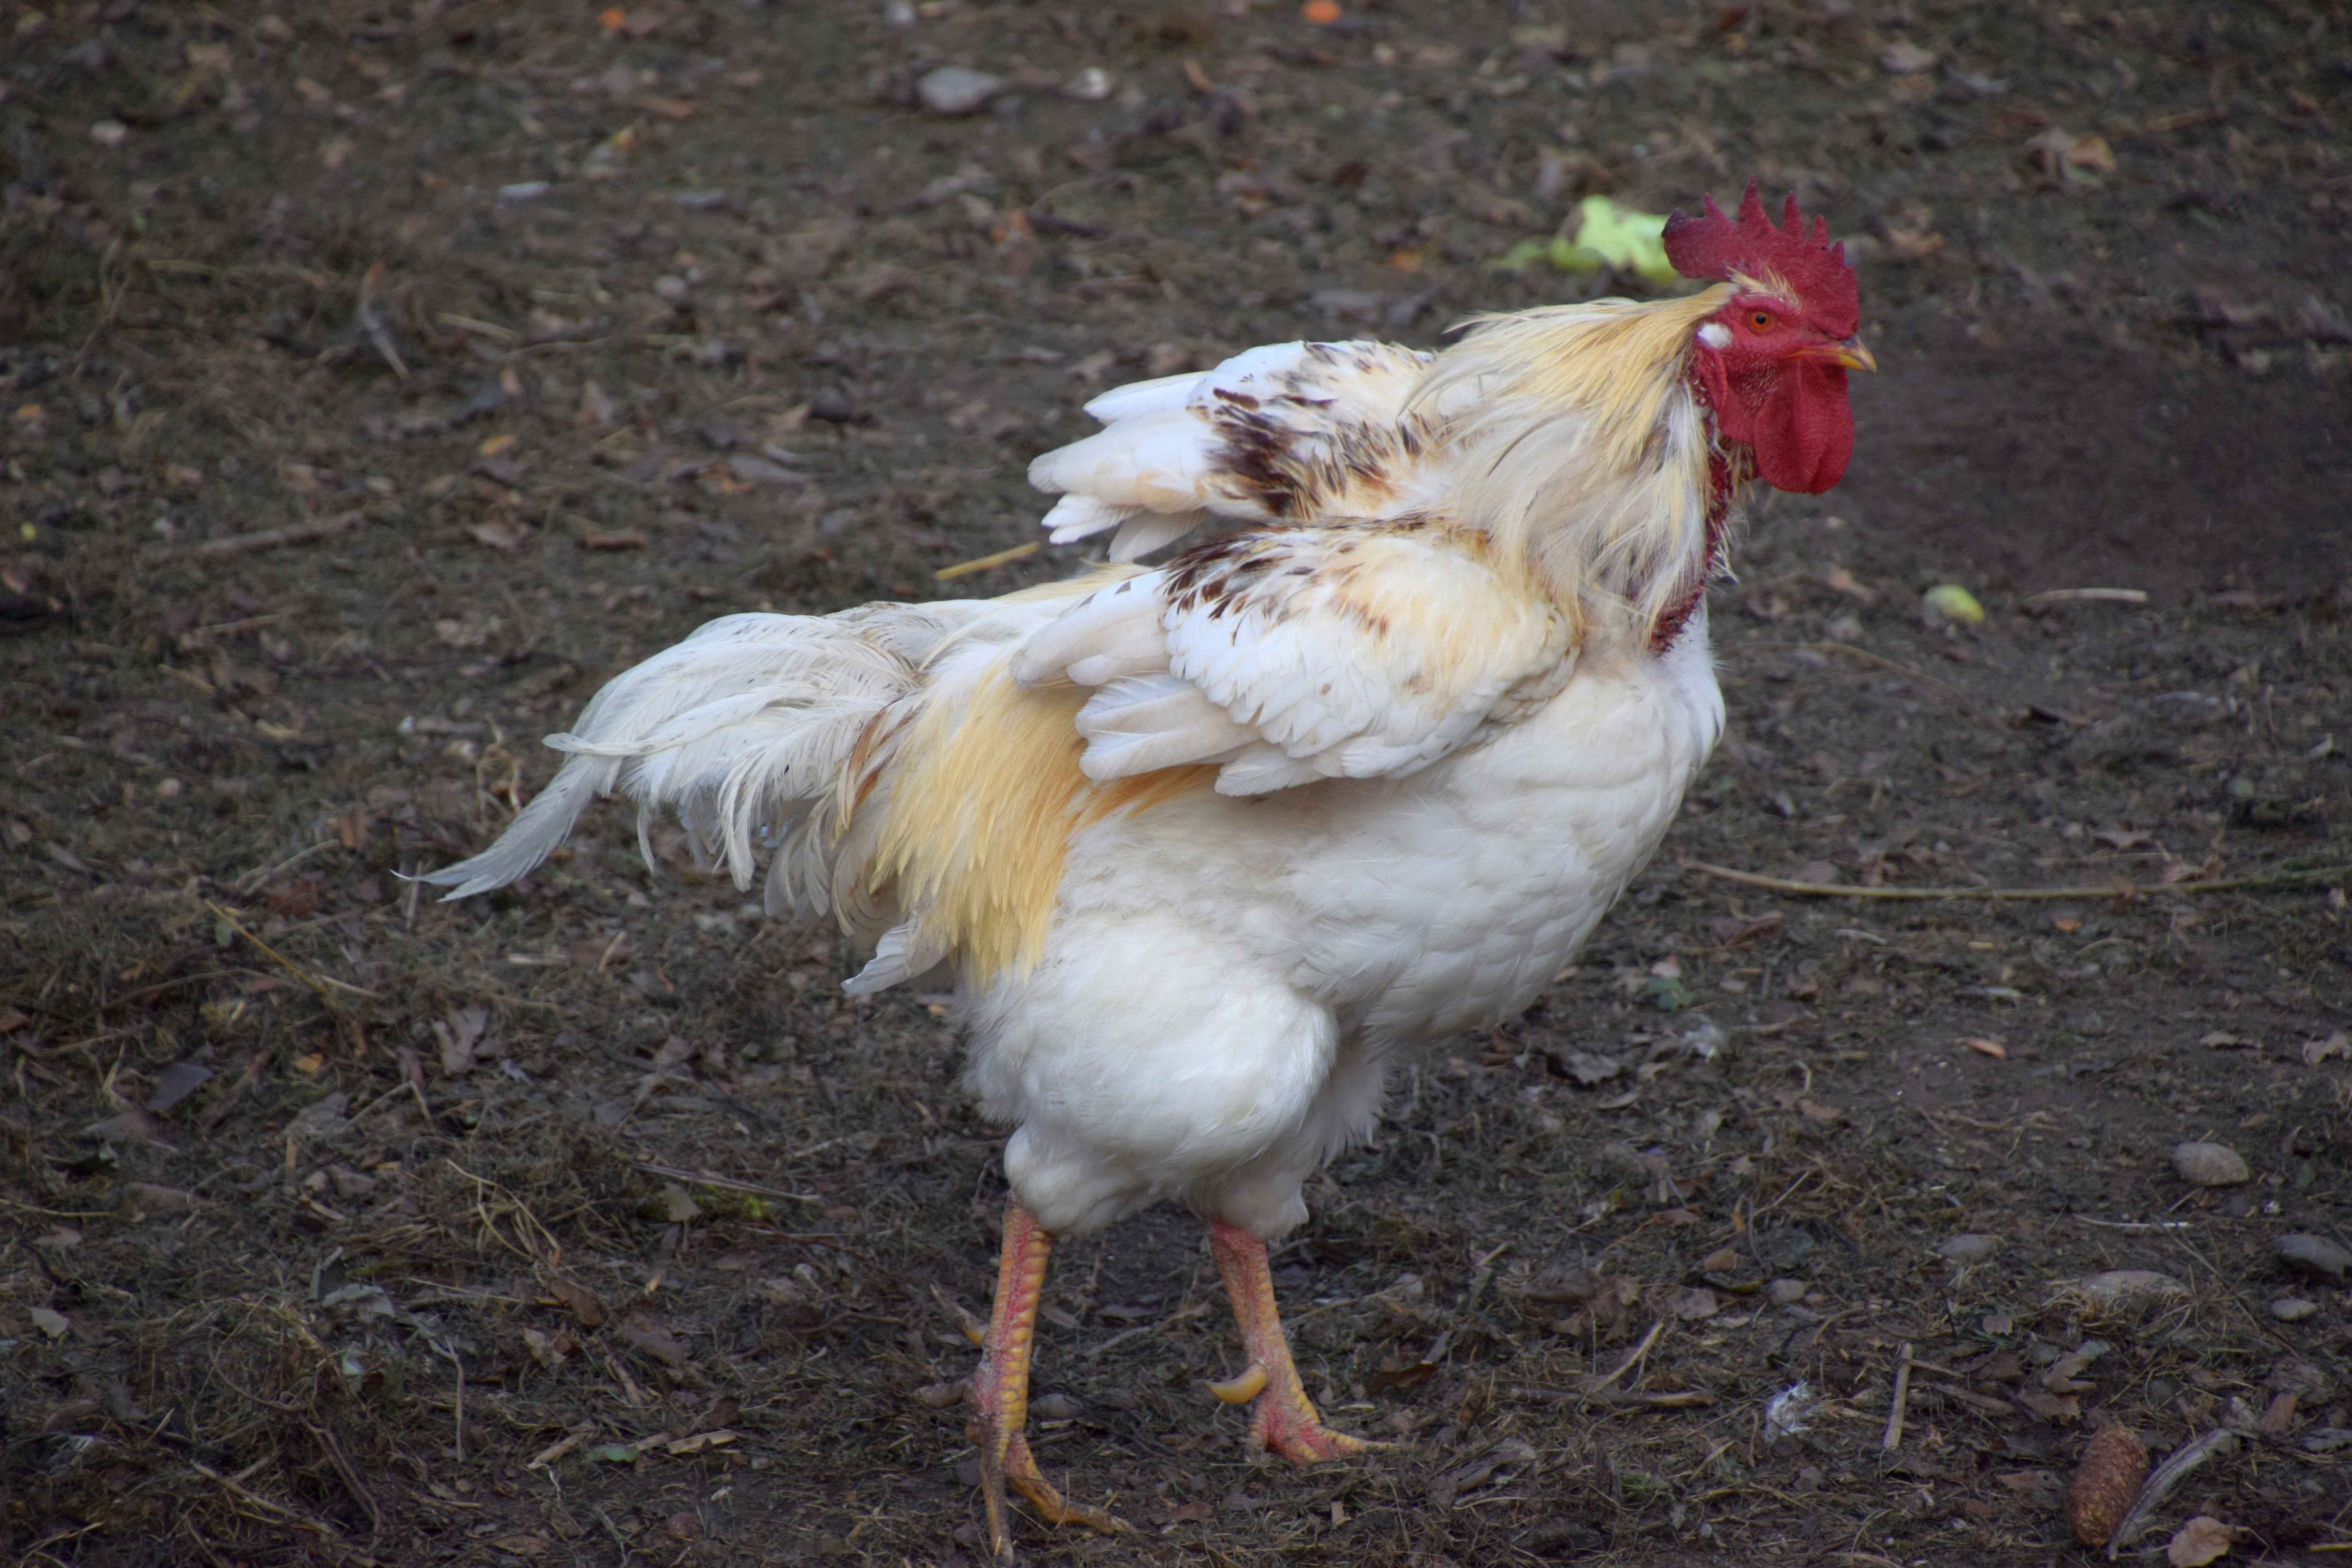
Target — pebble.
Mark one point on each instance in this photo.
(1785, 1292)
(2313, 1255)
(952, 90)
(2209, 1166)
(1969, 1247)
(1054, 1407)
(2293, 1309)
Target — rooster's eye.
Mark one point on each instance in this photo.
(1760, 319)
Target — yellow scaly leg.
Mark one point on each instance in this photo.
(1285, 1420)
(999, 1392)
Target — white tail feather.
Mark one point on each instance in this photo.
(745, 729)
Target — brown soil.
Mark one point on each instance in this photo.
(512, 306)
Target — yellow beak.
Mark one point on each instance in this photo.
(1852, 354)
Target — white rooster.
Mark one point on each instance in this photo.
(1206, 845)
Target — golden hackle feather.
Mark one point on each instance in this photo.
(1584, 460)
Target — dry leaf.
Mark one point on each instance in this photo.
(500, 532)
(619, 539)
(579, 1298)
(2057, 1408)
(1842, 581)
(2200, 1541)
(1984, 1047)
(595, 405)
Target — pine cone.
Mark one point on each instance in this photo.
(2113, 1465)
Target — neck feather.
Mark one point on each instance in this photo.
(1587, 458)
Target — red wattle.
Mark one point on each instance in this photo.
(1804, 429)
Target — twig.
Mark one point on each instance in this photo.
(317, 982)
(1673, 1399)
(983, 563)
(2085, 596)
(2114, 889)
(1892, 1438)
(1867, 656)
(366, 1500)
(2135, 1224)
(246, 888)
(724, 1184)
(560, 1448)
(2163, 1478)
(460, 1426)
(264, 539)
(1594, 1384)
(292, 1516)
(1194, 1310)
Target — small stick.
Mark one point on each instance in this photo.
(1592, 1384)
(2087, 596)
(317, 982)
(983, 563)
(1120, 1338)
(724, 1184)
(2113, 889)
(326, 1440)
(245, 888)
(1673, 1399)
(1892, 1438)
(558, 1448)
(292, 1516)
(267, 538)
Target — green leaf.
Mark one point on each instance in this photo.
(611, 1454)
(1668, 994)
(1602, 233)
(1623, 237)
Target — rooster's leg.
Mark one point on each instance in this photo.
(999, 1390)
(1286, 1421)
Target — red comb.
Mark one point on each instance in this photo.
(1715, 247)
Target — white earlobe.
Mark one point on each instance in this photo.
(1713, 334)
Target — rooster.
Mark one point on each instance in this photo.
(1206, 845)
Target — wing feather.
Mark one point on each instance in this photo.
(1287, 656)
(1286, 433)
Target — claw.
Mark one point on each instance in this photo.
(1242, 1389)
(1286, 1422)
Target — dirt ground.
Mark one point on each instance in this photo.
(380, 377)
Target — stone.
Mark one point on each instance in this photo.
(952, 90)
(2313, 1255)
(2293, 1309)
(1969, 1249)
(2209, 1166)
(1785, 1292)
